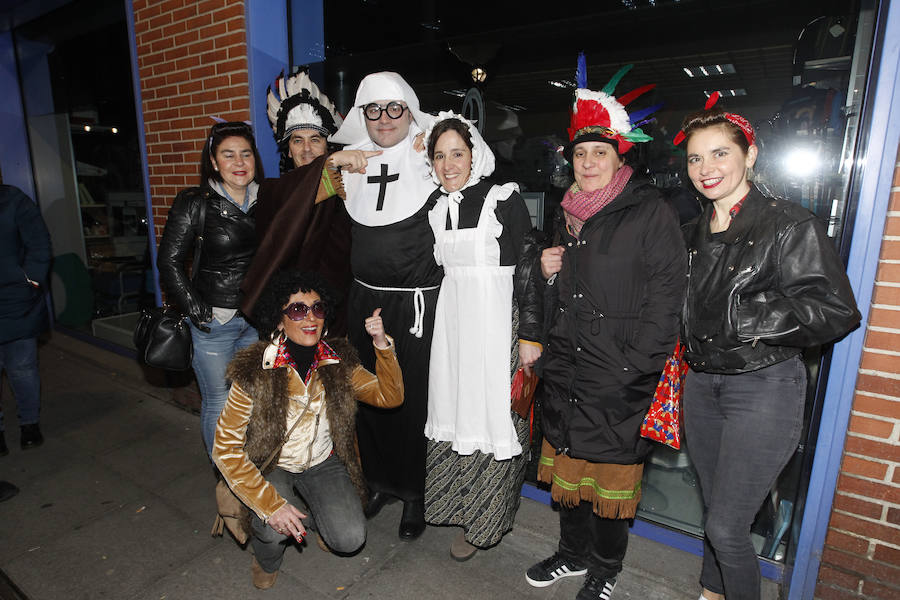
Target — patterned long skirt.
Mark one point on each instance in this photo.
(475, 492)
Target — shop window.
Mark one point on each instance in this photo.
(797, 70)
(77, 87)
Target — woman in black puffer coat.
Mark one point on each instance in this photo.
(230, 170)
(613, 284)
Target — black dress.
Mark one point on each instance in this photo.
(399, 259)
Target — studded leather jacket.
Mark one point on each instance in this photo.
(762, 290)
(229, 242)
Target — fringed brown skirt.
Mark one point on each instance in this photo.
(614, 490)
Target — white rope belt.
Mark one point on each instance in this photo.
(418, 302)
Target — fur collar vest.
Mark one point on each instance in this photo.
(269, 390)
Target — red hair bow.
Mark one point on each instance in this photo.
(742, 123)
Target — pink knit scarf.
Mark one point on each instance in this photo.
(581, 206)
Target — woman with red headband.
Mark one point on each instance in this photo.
(616, 272)
(764, 282)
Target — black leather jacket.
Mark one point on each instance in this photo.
(767, 287)
(229, 242)
(528, 295)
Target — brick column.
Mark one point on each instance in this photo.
(861, 558)
(192, 61)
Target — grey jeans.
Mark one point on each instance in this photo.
(741, 431)
(331, 503)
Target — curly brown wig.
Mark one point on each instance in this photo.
(281, 286)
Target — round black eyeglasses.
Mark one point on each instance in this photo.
(373, 111)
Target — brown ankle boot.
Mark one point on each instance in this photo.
(263, 580)
(460, 549)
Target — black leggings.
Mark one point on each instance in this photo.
(591, 541)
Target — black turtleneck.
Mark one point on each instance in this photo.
(301, 355)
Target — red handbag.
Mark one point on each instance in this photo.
(663, 421)
(522, 391)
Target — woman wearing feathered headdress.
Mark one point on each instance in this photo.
(616, 274)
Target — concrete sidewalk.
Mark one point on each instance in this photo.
(118, 504)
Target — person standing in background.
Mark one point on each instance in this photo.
(25, 256)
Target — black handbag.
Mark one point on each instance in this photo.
(163, 339)
(162, 336)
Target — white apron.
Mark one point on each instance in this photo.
(469, 378)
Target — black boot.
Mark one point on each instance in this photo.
(377, 500)
(412, 523)
(31, 436)
(4, 450)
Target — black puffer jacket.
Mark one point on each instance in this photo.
(769, 286)
(619, 297)
(229, 242)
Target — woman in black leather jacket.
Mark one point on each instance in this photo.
(764, 282)
(230, 170)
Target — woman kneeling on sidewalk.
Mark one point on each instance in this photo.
(299, 392)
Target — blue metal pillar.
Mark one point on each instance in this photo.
(15, 155)
(267, 56)
(142, 145)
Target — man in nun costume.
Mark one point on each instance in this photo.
(392, 259)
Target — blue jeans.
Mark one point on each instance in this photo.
(331, 503)
(20, 361)
(212, 353)
(741, 431)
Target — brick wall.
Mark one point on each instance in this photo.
(862, 549)
(192, 62)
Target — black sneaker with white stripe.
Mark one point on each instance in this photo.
(595, 588)
(552, 569)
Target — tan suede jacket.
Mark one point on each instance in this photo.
(247, 434)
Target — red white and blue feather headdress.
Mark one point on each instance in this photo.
(600, 116)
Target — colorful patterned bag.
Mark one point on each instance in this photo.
(663, 421)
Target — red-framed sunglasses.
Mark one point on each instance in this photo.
(297, 311)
